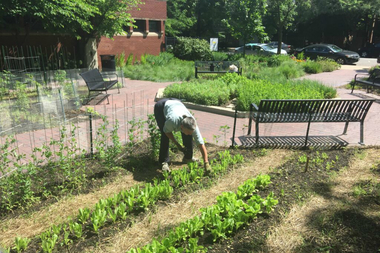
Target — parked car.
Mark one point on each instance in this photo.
(378, 59)
(329, 51)
(372, 50)
(284, 46)
(257, 48)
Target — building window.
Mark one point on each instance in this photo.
(154, 26)
(140, 26)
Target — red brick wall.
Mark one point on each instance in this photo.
(138, 43)
(152, 9)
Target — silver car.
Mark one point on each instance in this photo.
(259, 49)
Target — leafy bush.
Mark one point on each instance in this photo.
(192, 49)
(219, 56)
(120, 60)
(370, 71)
(277, 60)
(220, 91)
(256, 90)
(175, 70)
(327, 64)
(161, 68)
(312, 67)
(290, 69)
(159, 60)
(206, 92)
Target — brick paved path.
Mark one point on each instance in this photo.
(137, 100)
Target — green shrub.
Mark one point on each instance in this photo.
(120, 60)
(160, 60)
(229, 86)
(219, 56)
(327, 64)
(312, 67)
(205, 92)
(129, 59)
(290, 69)
(253, 91)
(172, 70)
(277, 60)
(370, 71)
(192, 49)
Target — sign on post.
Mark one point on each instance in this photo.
(214, 44)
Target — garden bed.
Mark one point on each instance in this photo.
(318, 191)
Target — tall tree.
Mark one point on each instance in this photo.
(181, 19)
(283, 13)
(80, 18)
(244, 19)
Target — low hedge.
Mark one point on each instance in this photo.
(246, 91)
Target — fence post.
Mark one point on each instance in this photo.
(91, 142)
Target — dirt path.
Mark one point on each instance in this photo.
(143, 231)
(319, 219)
(57, 213)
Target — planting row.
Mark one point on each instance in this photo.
(61, 166)
(232, 211)
(132, 201)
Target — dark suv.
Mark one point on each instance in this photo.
(329, 51)
(372, 50)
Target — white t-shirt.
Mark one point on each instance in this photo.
(173, 111)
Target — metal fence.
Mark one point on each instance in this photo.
(35, 58)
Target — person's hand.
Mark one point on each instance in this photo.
(207, 167)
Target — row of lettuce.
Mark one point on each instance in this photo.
(232, 211)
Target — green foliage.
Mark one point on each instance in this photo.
(277, 60)
(192, 49)
(120, 60)
(221, 90)
(372, 69)
(290, 69)
(327, 64)
(211, 92)
(21, 244)
(154, 136)
(244, 19)
(164, 67)
(129, 60)
(312, 67)
(219, 56)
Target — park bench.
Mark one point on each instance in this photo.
(308, 111)
(215, 67)
(369, 80)
(95, 82)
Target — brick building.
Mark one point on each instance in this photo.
(148, 37)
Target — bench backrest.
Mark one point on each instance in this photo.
(92, 76)
(217, 65)
(313, 110)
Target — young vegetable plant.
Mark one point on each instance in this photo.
(48, 242)
(83, 215)
(76, 229)
(21, 243)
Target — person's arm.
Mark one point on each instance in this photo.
(171, 137)
(203, 150)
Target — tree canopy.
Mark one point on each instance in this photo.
(80, 18)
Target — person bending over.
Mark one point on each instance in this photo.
(172, 116)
